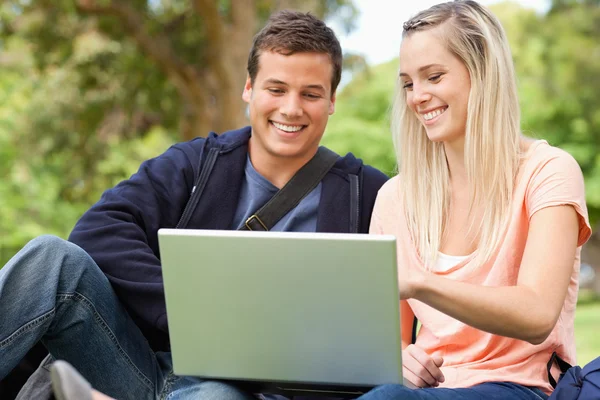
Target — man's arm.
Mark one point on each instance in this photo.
(120, 231)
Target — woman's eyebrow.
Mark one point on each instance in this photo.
(424, 68)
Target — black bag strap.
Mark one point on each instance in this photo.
(354, 202)
(199, 185)
(301, 184)
(415, 330)
(562, 365)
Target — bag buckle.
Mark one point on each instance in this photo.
(255, 217)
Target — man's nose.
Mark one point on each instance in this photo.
(291, 107)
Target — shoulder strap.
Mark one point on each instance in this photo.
(354, 203)
(199, 184)
(301, 184)
(562, 365)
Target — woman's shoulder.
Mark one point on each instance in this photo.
(539, 155)
(388, 198)
(387, 214)
(390, 191)
(551, 177)
(539, 149)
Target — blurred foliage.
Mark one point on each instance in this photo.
(139, 63)
(361, 123)
(81, 106)
(587, 340)
(47, 184)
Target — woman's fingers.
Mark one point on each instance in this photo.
(438, 360)
(417, 374)
(423, 366)
(430, 364)
(414, 379)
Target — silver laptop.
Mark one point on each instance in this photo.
(281, 312)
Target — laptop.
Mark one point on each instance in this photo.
(286, 313)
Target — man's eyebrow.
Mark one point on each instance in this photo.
(273, 81)
(318, 87)
(423, 68)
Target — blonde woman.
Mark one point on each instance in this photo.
(489, 223)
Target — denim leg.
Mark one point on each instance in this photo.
(485, 391)
(188, 388)
(53, 291)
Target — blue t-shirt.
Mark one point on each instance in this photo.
(256, 191)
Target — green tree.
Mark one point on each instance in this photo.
(177, 62)
(361, 121)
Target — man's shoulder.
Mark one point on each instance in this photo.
(189, 152)
(230, 140)
(350, 164)
(225, 141)
(374, 173)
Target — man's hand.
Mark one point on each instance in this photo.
(421, 369)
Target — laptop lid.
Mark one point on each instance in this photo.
(305, 311)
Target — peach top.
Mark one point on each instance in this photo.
(547, 177)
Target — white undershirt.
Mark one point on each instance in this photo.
(445, 262)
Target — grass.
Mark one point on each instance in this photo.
(587, 329)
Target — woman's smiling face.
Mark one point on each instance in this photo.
(437, 85)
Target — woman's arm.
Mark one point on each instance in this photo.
(527, 311)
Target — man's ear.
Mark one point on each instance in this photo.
(332, 104)
(247, 93)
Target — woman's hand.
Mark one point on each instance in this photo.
(409, 280)
(421, 369)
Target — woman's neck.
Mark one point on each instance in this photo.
(455, 156)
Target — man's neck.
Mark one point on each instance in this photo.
(277, 170)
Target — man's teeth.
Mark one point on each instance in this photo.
(433, 114)
(287, 128)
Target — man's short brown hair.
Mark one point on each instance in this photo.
(288, 32)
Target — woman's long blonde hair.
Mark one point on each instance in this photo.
(492, 138)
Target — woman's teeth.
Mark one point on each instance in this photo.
(431, 115)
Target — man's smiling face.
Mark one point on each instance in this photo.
(290, 102)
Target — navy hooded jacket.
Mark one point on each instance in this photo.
(120, 231)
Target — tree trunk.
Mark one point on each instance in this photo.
(196, 120)
(211, 94)
(225, 72)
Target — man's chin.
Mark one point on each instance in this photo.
(289, 151)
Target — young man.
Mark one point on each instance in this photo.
(99, 301)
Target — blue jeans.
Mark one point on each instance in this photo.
(485, 391)
(53, 291)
